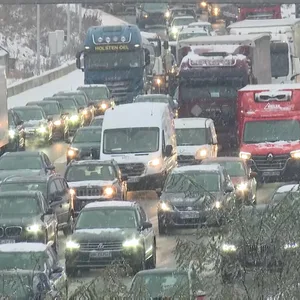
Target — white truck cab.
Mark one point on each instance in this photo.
(196, 140)
(141, 138)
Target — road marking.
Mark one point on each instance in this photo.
(61, 160)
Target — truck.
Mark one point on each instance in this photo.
(285, 45)
(212, 72)
(259, 12)
(115, 56)
(4, 130)
(269, 130)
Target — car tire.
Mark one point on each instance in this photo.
(152, 259)
(162, 227)
(68, 230)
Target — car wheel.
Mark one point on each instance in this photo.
(152, 259)
(162, 227)
(68, 230)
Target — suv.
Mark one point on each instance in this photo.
(54, 188)
(16, 132)
(95, 180)
(194, 195)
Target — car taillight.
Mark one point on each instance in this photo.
(200, 297)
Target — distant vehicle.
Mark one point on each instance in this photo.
(95, 180)
(122, 228)
(181, 12)
(187, 33)
(177, 24)
(16, 132)
(285, 191)
(241, 176)
(194, 195)
(259, 12)
(38, 128)
(54, 111)
(202, 25)
(97, 121)
(85, 143)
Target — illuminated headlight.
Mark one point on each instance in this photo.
(165, 206)
(72, 192)
(174, 30)
(103, 106)
(242, 187)
(72, 245)
(291, 246)
(57, 123)
(108, 191)
(167, 14)
(11, 133)
(42, 129)
(217, 205)
(203, 4)
(295, 154)
(85, 112)
(216, 11)
(245, 155)
(154, 163)
(228, 248)
(34, 228)
(74, 118)
(132, 243)
(72, 152)
(158, 81)
(201, 154)
(145, 15)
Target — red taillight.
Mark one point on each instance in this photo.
(200, 297)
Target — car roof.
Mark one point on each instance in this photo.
(23, 247)
(112, 204)
(23, 153)
(201, 168)
(28, 107)
(221, 159)
(98, 117)
(91, 161)
(184, 17)
(42, 102)
(287, 188)
(153, 96)
(20, 194)
(29, 179)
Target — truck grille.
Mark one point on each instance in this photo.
(12, 231)
(185, 159)
(258, 250)
(85, 191)
(135, 169)
(101, 246)
(277, 163)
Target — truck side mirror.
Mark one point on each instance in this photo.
(147, 57)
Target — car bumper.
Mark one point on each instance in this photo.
(36, 137)
(147, 182)
(39, 238)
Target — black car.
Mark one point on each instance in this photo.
(194, 195)
(99, 95)
(108, 231)
(26, 217)
(38, 128)
(87, 107)
(95, 180)
(97, 121)
(70, 107)
(55, 190)
(85, 142)
(16, 132)
(54, 111)
(25, 163)
(35, 257)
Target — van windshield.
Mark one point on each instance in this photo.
(131, 140)
(191, 136)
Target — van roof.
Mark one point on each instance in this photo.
(192, 122)
(268, 87)
(264, 23)
(143, 114)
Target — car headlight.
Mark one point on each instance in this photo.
(42, 129)
(174, 30)
(165, 206)
(154, 162)
(108, 191)
(203, 4)
(103, 106)
(72, 152)
(72, 192)
(217, 205)
(11, 133)
(291, 246)
(131, 243)
(242, 187)
(216, 11)
(34, 228)
(201, 153)
(295, 154)
(72, 245)
(245, 155)
(85, 112)
(74, 118)
(167, 14)
(145, 15)
(158, 81)
(57, 123)
(228, 248)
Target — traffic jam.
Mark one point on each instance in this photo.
(204, 120)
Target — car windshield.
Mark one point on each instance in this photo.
(33, 114)
(155, 6)
(271, 131)
(182, 21)
(20, 163)
(95, 93)
(152, 99)
(97, 122)
(191, 136)
(233, 168)
(192, 181)
(90, 172)
(107, 218)
(23, 186)
(131, 140)
(88, 136)
(18, 206)
(68, 104)
(22, 260)
(49, 108)
(157, 286)
(80, 99)
(188, 35)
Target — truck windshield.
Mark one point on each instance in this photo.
(94, 61)
(279, 59)
(271, 131)
(191, 136)
(131, 140)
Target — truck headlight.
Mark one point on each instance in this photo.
(72, 152)
(108, 191)
(74, 118)
(57, 123)
(201, 153)
(242, 187)
(72, 245)
(291, 246)
(295, 154)
(245, 155)
(145, 15)
(217, 205)
(42, 129)
(228, 248)
(158, 81)
(132, 243)
(154, 162)
(34, 228)
(174, 30)
(216, 11)
(11, 133)
(164, 206)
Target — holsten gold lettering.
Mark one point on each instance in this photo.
(112, 48)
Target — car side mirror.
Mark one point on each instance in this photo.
(50, 119)
(124, 177)
(169, 150)
(146, 225)
(252, 175)
(229, 189)
(58, 269)
(166, 45)
(158, 192)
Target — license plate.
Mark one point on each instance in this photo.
(189, 214)
(7, 241)
(100, 254)
(271, 173)
(133, 179)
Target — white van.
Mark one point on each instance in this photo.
(196, 140)
(141, 138)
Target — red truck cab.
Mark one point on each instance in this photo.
(253, 12)
(268, 119)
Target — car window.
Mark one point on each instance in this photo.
(47, 160)
(65, 184)
(143, 214)
(52, 188)
(59, 186)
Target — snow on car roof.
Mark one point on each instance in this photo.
(91, 86)
(183, 17)
(23, 247)
(287, 188)
(202, 23)
(270, 87)
(193, 30)
(192, 122)
(205, 168)
(109, 204)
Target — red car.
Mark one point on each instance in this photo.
(241, 176)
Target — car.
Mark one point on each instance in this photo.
(85, 144)
(99, 95)
(203, 25)
(16, 132)
(108, 231)
(181, 12)
(285, 191)
(86, 106)
(38, 128)
(35, 257)
(55, 190)
(194, 195)
(33, 162)
(241, 176)
(164, 283)
(27, 217)
(177, 24)
(97, 121)
(59, 118)
(187, 33)
(95, 180)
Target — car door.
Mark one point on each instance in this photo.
(60, 201)
(67, 200)
(49, 219)
(48, 164)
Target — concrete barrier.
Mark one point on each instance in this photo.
(30, 83)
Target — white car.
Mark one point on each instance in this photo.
(187, 33)
(179, 23)
(203, 25)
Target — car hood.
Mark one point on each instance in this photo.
(91, 183)
(104, 234)
(25, 172)
(19, 220)
(237, 180)
(34, 123)
(280, 147)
